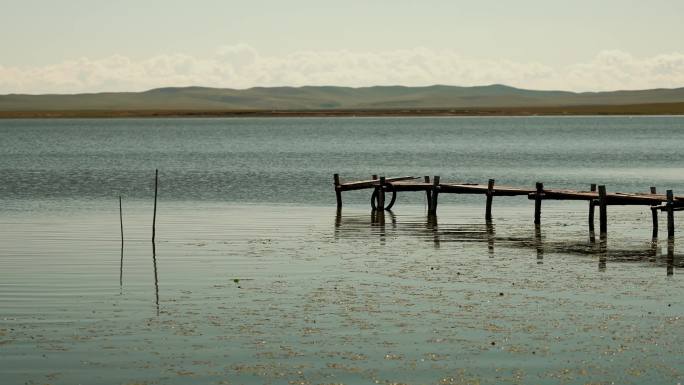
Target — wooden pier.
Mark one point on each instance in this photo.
(596, 196)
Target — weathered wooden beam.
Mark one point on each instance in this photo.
(490, 195)
(409, 186)
(367, 184)
(603, 214)
(474, 188)
(537, 202)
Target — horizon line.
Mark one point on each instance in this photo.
(341, 87)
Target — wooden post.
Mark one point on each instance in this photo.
(537, 203)
(591, 208)
(122, 243)
(428, 195)
(654, 215)
(338, 192)
(603, 214)
(154, 216)
(381, 194)
(374, 177)
(490, 195)
(670, 215)
(435, 194)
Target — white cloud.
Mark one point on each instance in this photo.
(242, 66)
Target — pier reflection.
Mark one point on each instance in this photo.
(670, 257)
(491, 235)
(538, 244)
(156, 276)
(431, 225)
(387, 227)
(603, 251)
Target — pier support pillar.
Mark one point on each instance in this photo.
(654, 216)
(537, 203)
(490, 195)
(435, 195)
(381, 194)
(338, 192)
(670, 215)
(592, 205)
(603, 212)
(428, 193)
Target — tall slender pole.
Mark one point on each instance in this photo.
(154, 215)
(154, 248)
(122, 243)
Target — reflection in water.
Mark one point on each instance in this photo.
(156, 277)
(491, 234)
(432, 226)
(358, 226)
(603, 251)
(538, 244)
(670, 257)
(378, 220)
(654, 250)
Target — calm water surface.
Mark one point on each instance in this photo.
(259, 280)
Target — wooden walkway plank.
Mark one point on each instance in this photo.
(475, 188)
(411, 186)
(372, 183)
(614, 198)
(657, 202)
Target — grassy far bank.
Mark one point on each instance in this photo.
(631, 109)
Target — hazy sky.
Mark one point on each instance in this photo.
(97, 45)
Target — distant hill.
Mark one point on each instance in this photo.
(315, 98)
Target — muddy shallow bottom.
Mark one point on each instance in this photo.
(299, 294)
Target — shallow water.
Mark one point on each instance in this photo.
(275, 286)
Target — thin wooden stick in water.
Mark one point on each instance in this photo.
(154, 248)
(154, 216)
(122, 243)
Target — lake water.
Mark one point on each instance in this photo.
(257, 278)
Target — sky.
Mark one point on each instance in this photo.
(74, 46)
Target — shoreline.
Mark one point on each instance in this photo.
(586, 110)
